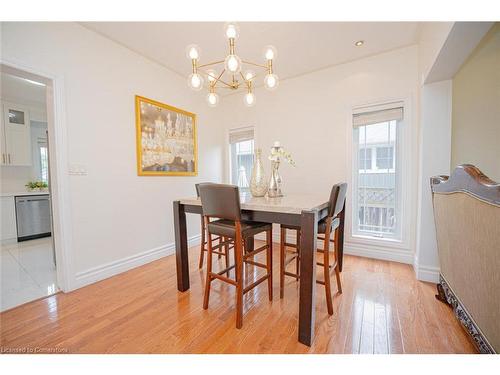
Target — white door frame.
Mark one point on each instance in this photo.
(58, 164)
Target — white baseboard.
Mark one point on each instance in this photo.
(427, 273)
(107, 270)
(389, 254)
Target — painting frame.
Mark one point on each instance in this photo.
(139, 147)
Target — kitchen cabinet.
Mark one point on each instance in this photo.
(15, 141)
(8, 215)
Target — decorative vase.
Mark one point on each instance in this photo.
(258, 182)
(274, 190)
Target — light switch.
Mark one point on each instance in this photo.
(77, 170)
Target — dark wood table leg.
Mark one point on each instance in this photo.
(309, 230)
(181, 247)
(249, 244)
(341, 238)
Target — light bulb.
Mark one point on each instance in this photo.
(211, 75)
(249, 99)
(193, 52)
(249, 75)
(232, 30)
(232, 63)
(270, 53)
(212, 99)
(271, 81)
(195, 81)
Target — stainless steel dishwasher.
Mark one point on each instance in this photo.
(33, 217)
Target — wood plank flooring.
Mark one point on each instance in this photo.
(383, 309)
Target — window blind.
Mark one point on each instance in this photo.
(373, 115)
(240, 135)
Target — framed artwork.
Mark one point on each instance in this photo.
(166, 139)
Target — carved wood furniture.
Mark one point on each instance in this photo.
(326, 226)
(467, 217)
(302, 210)
(222, 202)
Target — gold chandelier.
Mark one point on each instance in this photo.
(230, 75)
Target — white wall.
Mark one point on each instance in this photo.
(118, 219)
(435, 153)
(476, 108)
(432, 36)
(312, 117)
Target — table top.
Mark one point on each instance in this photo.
(292, 203)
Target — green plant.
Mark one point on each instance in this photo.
(36, 185)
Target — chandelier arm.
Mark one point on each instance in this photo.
(218, 79)
(247, 82)
(209, 64)
(255, 64)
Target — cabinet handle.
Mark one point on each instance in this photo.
(9, 158)
(3, 158)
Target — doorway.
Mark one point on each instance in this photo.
(27, 254)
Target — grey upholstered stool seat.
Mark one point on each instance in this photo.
(227, 228)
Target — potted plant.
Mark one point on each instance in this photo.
(36, 185)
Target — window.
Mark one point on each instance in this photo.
(44, 162)
(376, 176)
(365, 158)
(385, 157)
(241, 144)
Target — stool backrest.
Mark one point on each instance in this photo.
(220, 200)
(197, 187)
(337, 199)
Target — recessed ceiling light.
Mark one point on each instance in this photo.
(359, 43)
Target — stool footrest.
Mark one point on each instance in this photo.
(291, 274)
(223, 278)
(256, 264)
(254, 284)
(218, 246)
(294, 245)
(226, 269)
(255, 252)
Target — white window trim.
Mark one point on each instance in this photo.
(229, 166)
(408, 135)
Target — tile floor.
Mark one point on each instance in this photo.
(28, 272)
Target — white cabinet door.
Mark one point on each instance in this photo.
(8, 215)
(17, 135)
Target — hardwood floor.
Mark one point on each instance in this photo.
(383, 309)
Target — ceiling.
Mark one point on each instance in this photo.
(303, 47)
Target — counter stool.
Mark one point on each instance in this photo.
(221, 250)
(325, 227)
(222, 202)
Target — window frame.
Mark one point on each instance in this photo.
(387, 248)
(397, 236)
(40, 145)
(229, 149)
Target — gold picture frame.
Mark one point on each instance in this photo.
(165, 139)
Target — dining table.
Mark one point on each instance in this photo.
(303, 210)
